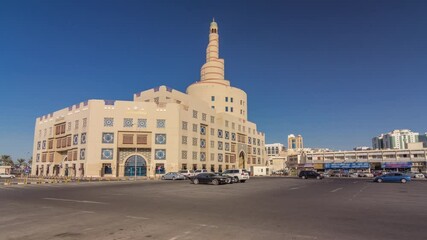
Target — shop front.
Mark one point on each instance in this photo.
(397, 166)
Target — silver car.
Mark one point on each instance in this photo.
(173, 176)
(5, 175)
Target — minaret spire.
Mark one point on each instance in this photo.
(213, 69)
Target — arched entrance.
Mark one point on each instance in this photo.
(135, 163)
(242, 162)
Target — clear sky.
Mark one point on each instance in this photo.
(337, 72)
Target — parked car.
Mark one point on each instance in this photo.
(5, 175)
(393, 177)
(354, 175)
(239, 175)
(309, 174)
(173, 176)
(209, 178)
(230, 179)
(187, 173)
(365, 174)
(415, 175)
(198, 171)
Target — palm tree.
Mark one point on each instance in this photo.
(21, 162)
(6, 160)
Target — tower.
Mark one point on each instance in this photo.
(213, 88)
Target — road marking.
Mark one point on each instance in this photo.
(133, 217)
(355, 182)
(71, 200)
(336, 190)
(294, 188)
(87, 212)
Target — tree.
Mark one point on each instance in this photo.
(6, 160)
(30, 161)
(22, 162)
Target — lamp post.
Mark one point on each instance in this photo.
(136, 152)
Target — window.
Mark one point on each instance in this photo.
(106, 153)
(227, 146)
(184, 155)
(68, 126)
(226, 99)
(194, 127)
(194, 114)
(204, 116)
(194, 141)
(108, 122)
(194, 155)
(203, 130)
(83, 138)
(184, 125)
(161, 123)
(84, 122)
(127, 138)
(142, 123)
(226, 109)
(212, 131)
(160, 138)
(77, 124)
(219, 145)
(212, 98)
(227, 135)
(82, 154)
(108, 137)
(212, 119)
(231, 109)
(219, 133)
(203, 143)
(231, 99)
(142, 139)
(202, 156)
(212, 144)
(220, 157)
(212, 156)
(160, 154)
(127, 122)
(184, 139)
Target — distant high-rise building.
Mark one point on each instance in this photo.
(423, 138)
(396, 139)
(295, 142)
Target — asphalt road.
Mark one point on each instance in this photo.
(262, 208)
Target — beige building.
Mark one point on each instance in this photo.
(295, 142)
(413, 159)
(161, 130)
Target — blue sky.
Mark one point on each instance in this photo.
(337, 72)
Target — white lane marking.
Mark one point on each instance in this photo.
(336, 190)
(87, 212)
(71, 200)
(134, 217)
(294, 188)
(355, 182)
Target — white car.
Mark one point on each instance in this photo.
(354, 175)
(419, 175)
(4, 175)
(187, 173)
(200, 171)
(240, 175)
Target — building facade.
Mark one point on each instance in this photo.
(380, 159)
(396, 139)
(274, 149)
(160, 130)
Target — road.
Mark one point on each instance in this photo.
(262, 208)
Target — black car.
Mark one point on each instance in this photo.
(209, 178)
(229, 180)
(309, 174)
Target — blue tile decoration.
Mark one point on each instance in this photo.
(142, 123)
(161, 123)
(83, 138)
(202, 156)
(219, 133)
(203, 143)
(220, 157)
(107, 153)
(203, 130)
(108, 122)
(127, 122)
(160, 154)
(160, 138)
(75, 139)
(107, 137)
(227, 135)
(82, 154)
